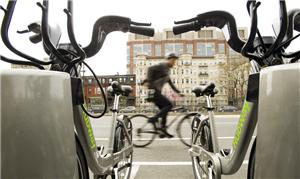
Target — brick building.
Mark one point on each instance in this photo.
(92, 90)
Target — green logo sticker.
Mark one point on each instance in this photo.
(90, 130)
(243, 117)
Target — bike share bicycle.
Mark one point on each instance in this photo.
(144, 132)
(116, 162)
(263, 51)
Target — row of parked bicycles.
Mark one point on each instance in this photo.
(266, 55)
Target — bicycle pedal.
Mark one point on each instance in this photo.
(162, 133)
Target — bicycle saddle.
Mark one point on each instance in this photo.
(208, 89)
(116, 89)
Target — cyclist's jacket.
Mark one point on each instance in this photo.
(158, 75)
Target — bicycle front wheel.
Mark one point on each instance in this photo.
(123, 167)
(204, 140)
(143, 132)
(184, 128)
(83, 172)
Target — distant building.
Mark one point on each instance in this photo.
(92, 90)
(202, 56)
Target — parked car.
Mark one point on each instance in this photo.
(149, 109)
(228, 109)
(128, 109)
(96, 108)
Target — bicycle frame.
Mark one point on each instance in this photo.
(98, 162)
(231, 163)
(175, 119)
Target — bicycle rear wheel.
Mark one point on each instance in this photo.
(143, 132)
(204, 140)
(184, 127)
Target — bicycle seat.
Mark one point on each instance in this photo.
(208, 89)
(116, 89)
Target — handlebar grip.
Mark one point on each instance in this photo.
(185, 28)
(142, 31)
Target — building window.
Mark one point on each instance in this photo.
(142, 49)
(128, 54)
(98, 91)
(173, 72)
(205, 34)
(170, 35)
(90, 81)
(189, 48)
(241, 33)
(173, 47)
(221, 48)
(134, 60)
(201, 49)
(205, 49)
(157, 50)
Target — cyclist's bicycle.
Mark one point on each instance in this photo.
(208, 161)
(68, 59)
(145, 132)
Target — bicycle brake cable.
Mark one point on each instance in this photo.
(102, 91)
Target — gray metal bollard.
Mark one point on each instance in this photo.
(37, 133)
(278, 131)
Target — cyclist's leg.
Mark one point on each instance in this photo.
(164, 105)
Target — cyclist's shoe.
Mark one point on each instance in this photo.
(165, 134)
(152, 120)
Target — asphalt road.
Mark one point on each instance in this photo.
(169, 158)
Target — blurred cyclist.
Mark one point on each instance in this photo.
(157, 76)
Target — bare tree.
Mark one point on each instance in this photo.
(236, 69)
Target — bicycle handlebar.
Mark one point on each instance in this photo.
(294, 24)
(283, 28)
(222, 19)
(45, 33)
(72, 38)
(218, 19)
(4, 34)
(107, 24)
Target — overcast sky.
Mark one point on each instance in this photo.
(112, 57)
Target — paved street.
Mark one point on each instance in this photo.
(169, 158)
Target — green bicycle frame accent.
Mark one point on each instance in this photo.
(90, 130)
(241, 124)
